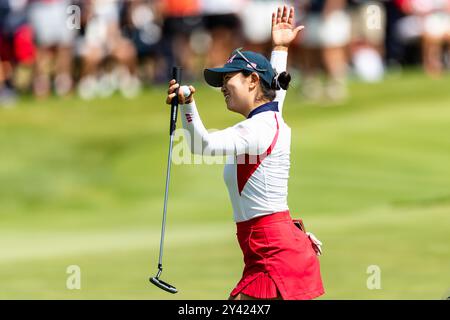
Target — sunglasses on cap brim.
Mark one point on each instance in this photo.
(238, 51)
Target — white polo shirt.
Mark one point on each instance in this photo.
(257, 149)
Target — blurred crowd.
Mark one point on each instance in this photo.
(94, 48)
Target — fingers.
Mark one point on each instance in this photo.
(170, 97)
(285, 14)
(181, 98)
(291, 16)
(279, 13)
(172, 82)
(173, 85)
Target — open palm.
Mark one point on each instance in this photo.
(283, 31)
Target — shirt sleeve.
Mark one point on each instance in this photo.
(278, 60)
(246, 137)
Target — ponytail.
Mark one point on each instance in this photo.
(281, 81)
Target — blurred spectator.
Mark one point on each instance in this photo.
(122, 42)
(428, 21)
(222, 22)
(257, 32)
(54, 40)
(325, 43)
(394, 49)
(181, 19)
(367, 42)
(17, 52)
(102, 38)
(143, 26)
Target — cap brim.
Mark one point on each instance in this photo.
(214, 76)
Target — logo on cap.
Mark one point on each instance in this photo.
(231, 59)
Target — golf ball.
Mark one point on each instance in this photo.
(186, 91)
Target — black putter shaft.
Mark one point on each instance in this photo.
(176, 74)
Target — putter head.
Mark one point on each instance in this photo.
(163, 285)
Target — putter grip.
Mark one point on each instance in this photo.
(176, 74)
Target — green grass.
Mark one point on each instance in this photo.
(82, 183)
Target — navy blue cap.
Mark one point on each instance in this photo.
(239, 61)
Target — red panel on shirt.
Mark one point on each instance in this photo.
(245, 169)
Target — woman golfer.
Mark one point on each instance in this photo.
(280, 259)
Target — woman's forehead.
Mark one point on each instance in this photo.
(230, 74)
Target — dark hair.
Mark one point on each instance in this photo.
(280, 81)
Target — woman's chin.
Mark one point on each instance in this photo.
(233, 109)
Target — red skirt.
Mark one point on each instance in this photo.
(279, 260)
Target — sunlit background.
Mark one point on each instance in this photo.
(84, 142)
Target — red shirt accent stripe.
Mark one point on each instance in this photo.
(245, 169)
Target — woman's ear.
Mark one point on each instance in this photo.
(254, 80)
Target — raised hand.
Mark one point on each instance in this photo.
(283, 27)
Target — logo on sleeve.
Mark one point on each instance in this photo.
(189, 117)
